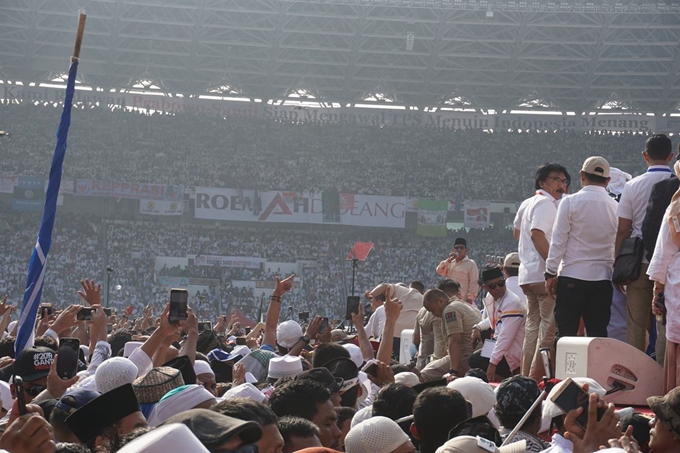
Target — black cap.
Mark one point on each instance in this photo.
(324, 377)
(213, 428)
(460, 241)
(93, 418)
(491, 273)
(34, 363)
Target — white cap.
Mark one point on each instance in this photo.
(407, 378)
(172, 437)
(203, 367)
(6, 393)
(114, 372)
(286, 366)
(597, 166)
(511, 260)
(179, 400)
(288, 333)
(362, 415)
(477, 392)
(470, 444)
(354, 354)
(11, 325)
(130, 347)
(246, 390)
(550, 409)
(376, 435)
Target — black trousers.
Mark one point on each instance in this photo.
(477, 361)
(576, 299)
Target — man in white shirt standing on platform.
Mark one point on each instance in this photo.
(533, 225)
(632, 210)
(460, 268)
(582, 249)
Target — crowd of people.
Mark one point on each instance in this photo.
(245, 153)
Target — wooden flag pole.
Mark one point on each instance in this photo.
(79, 35)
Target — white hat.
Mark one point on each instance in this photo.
(511, 260)
(179, 400)
(597, 166)
(172, 437)
(11, 325)
(362, 415)
(130, 347)
(246, 390)
(407, 378)
(113, 373)
(288, 333)
(477, 392)
(551, 410)
(354, 353)
(203, 367)
(286, 366)
(376, 435)
(470, 444)
(6, 393)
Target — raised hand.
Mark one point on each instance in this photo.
(283, 286)
(4, 307)
(392, 306)
(92, 292)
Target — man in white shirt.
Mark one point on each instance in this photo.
(460, 268)
(582, 249)
(533, 225)
(632, 210)
(411, 301)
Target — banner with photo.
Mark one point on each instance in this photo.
(328, 206)
(432, 217)
(153, 207)
(477, 214)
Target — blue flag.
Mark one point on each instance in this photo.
(36, 267)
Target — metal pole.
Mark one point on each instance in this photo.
(108, 285)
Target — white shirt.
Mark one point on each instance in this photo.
(512, 283)
(665, 268)
(560, 444)
(411, 302)
(635, 196)
(538, 214)
(507, 317)
(376, 322)
(582, 243)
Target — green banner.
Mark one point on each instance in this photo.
(432, 217)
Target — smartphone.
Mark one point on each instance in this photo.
(352, 306)
(204, 325)
(370, 368)
(304, 316)
(19, 392)
(67, 363)
(248, 330)
(109, 328)
(85, 313)
(178, 305)
(571, 396)
(324, 325)
(46, 310)
(240, 341)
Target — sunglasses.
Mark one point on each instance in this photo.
(33, 390)
(496, 285)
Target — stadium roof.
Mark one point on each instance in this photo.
(501, 55)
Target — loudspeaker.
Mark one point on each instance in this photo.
(614, 365)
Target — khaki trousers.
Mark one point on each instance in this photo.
(639, 296)
(671, 367)
(539, 329)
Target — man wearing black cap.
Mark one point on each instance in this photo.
(462, 269)
(504, 313)
(107, 418)
(33, 366)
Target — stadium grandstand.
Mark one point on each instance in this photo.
(216, 144)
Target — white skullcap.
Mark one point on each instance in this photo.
(362, 415)
(6, 393)
(286, 366)
(172, 437)
(477, 392)
(354, 354)
(470, 444)
(407, 378)
(179, 400)
(113, 373)
(203, 367)
(246, 390)
(288, 333)
(376, 435)
(550, 409)
(130, 347)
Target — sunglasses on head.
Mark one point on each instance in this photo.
(496, 285)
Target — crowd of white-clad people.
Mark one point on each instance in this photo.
(270, 155)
